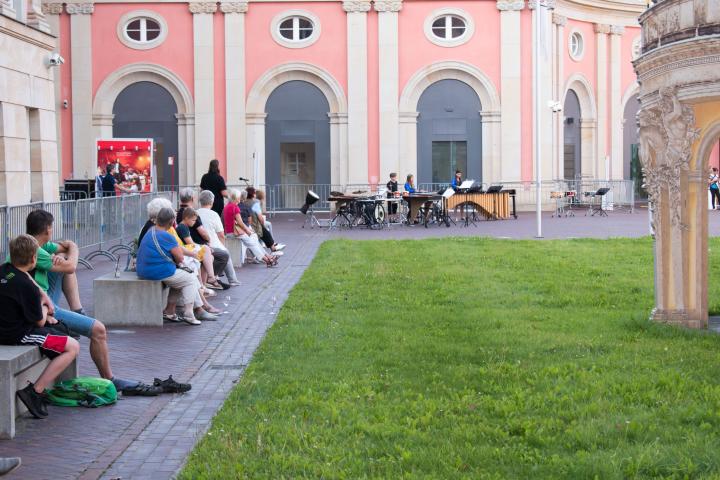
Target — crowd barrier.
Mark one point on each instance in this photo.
(105, 225)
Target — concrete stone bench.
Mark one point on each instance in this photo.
(18, 365)
(126, 300)
(237, 250)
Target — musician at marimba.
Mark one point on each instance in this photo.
(392, 187)
(457, 180)
(410, 183)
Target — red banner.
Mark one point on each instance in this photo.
(130, 161)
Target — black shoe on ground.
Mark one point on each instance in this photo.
(8, 464)
(171, 386)
(33, 401)
(224, 285)
(141, 390)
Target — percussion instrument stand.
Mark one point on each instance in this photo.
(311, 218)
(466, 202)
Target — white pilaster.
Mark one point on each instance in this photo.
(357, 89)
(389, 74)
(52, 13)
(559, 50)
(601, 33)
(204, 74)
(256, 145)
(237, 162)
(84, 154)
(616, 113)
(510, 70)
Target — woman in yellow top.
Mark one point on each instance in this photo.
(202, 252)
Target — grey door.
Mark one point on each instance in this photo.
(147, 110)
(449, 133)
(297, 135)
(571, 133)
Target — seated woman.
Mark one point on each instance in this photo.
(251, 213)
(204, 254)
(234, 225)
(158, 258)
(189, 258)
(410, 184)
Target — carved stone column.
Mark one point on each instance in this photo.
(204, 78)
(237, 161)
(616, 107)
(601, 169)
(389, 74)
(357, 89)
(83, 147)
(559, 22)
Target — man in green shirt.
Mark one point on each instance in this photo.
(55, 273)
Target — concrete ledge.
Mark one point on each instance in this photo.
(128, 300)
(18, 365)
(237, 250)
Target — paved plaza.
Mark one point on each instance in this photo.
(150, 437)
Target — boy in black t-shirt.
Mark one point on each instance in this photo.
(26, 319)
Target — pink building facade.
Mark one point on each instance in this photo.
(344, 92)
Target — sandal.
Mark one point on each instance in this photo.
(170, 317)
(211, 309)
(215, 285)
(142, 390)
(273, 262)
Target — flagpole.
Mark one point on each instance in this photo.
(536, 87)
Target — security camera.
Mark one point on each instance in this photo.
(55, 60)
(555, 106)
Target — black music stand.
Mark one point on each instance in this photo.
(600, 193)
(494, 190)
(464, 190)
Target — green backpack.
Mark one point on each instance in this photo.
(83, 392)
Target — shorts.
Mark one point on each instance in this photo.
(51, 341)
(55, 281)
(76, 323)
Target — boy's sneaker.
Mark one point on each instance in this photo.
(33, 401)
(8, 464)
(171, 386)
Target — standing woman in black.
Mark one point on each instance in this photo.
(214, 182)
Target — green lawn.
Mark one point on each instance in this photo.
(473, 358)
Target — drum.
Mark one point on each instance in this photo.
(379, 214)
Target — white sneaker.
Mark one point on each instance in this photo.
(278, 254)
(279, 246)
(191, 320)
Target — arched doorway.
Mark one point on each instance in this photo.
(632, 169)
(297, 140)
(147, 110)
(449, 132)
(572, 143)
(580, 106)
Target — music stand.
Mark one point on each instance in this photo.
(494, 190)
(449, 192)
(465, 190)
(600, 193)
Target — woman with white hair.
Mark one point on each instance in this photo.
(234, 225)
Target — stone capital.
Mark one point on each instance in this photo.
(80, 8)
(510, 5)
(388, 5)
(234, 7)
(52, 8)
(356, 6)
(617, 29)
(602, 28)
(559, 20)
(549, 4)
(202, 7)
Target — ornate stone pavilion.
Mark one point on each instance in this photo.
(679, 121)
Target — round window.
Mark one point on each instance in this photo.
(448, 27)
(143, 30)
(577, 46)
(296, 29)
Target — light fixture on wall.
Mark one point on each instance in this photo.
(54, 59)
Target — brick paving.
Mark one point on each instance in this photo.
(150, 437)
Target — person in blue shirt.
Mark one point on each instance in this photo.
(410, 184)
(457, 180)
(158, 255)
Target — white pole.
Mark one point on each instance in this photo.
(536, 89)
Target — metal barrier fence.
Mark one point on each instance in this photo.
(105, 224)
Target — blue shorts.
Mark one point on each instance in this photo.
(55, 281)
(78, 324)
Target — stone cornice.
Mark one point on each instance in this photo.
(202, 7)
(559, 20)
(549, 4)
(52, 8)
(234, 7)
(388, 5)
(356, 6)
(617, 29)
(80, 8)
(602, 28)
(510, 5)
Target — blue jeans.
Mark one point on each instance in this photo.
(77, 323)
